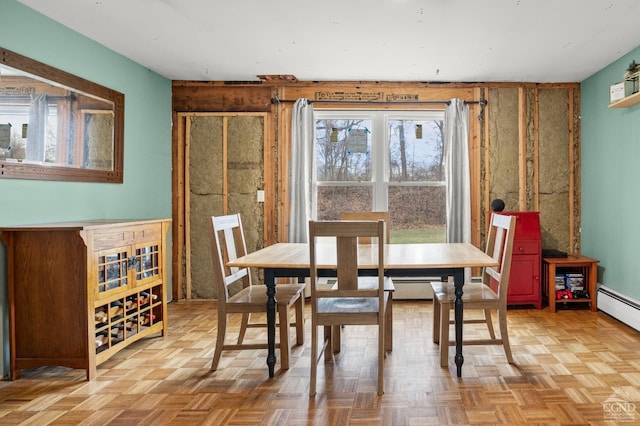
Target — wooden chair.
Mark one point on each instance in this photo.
(375, 216)
(228, 243)
(369, 216)
(354, 300)
(479, 295)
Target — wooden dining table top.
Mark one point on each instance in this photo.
(397, 256)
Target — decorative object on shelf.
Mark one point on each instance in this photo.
(632, 78)
(564, 294)
(616, 92)
(553, 253)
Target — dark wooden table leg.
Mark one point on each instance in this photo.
(458, 282)
(270, 281)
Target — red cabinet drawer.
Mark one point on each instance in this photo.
(526, 247)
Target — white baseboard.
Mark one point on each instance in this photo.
(410, 288)
(623, 308)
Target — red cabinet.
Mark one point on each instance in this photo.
(525, 283)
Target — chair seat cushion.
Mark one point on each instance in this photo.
(356, 305)
(445, 292)
(349, 306)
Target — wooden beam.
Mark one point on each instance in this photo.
(187, 208)
(204, 97)
(225, 174)
(577, 170)
(475, 152)
(270, 169)
(283, 132)
(487, 159)
(572, 170)
(178, 190)
(536, 150)
(522, 149)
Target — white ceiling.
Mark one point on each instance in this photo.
(372, 40)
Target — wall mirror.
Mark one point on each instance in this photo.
(57, 126)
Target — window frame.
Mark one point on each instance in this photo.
(380, 162)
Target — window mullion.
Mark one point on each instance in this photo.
(380, 159)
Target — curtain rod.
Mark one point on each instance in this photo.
(279, 101)
(28, 98)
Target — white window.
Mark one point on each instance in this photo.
(382, 161)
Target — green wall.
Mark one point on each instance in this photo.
(611, 180)
(146, 191)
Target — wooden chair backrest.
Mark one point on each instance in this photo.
(346, 235)
(500, 247)
(375, 216)
(227, 243)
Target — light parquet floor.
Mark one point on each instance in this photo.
(570, 367)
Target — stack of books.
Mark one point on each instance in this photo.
(572, 286)
(560, 282)
(575, 282)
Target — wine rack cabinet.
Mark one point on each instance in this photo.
(79, 292)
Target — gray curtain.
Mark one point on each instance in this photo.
(300, 170)
(37, 128)
(456, 147)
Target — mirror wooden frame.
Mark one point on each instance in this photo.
(18, 170)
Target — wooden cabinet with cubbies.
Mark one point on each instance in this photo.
(79, 292)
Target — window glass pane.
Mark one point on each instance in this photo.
(14, 119)
(397, 159)
(415, 150)
(112, 271)
(333, 200)
(418, 214)
(147, 265)
(343, 150)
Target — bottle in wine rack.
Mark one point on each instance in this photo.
(144, 298)
(116, 330)
(132, 324)
(149, 296)
(130, 303)
(116, 308)
(100, 317)
(147, 319)
(102, 338)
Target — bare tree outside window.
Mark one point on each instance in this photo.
(335, 159)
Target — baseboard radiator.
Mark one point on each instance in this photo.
(413, 288)
(619, 306)
(407, 288)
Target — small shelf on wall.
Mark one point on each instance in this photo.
(627, 102)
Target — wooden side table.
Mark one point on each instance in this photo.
(572, 262)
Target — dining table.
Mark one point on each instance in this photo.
(291, 260)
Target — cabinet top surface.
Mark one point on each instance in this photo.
(81, 224)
